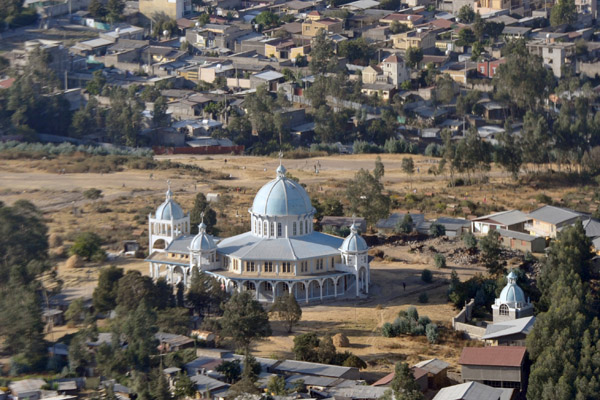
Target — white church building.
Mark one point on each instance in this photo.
(280, 253)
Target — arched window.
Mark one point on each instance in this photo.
(301, 226)
(503, 309)
(265, 227)
(272, 228)
(279, 229)
(306, 225)
(259, 225)
(294, 229)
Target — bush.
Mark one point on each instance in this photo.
(470, 241)
(437, 230)
(92, 193)
(423, 298)
(440, 261)
(87, 245)
(426, 276)
(388, 330)
(412, 313)
(433, 150)
(424, 320)
(354, 361)
(431, 331)
(543, 198)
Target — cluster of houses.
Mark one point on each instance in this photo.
(526, 232)
(231, 51)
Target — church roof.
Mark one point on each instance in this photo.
(169, 209)
(512, 293)
(250, 247)
(354, 242)
(282, 196)
(202, 241)
(506, 328)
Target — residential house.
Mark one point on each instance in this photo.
(513, 220)
(516, 32)
(388, 225)
(555, 55)
(436, 372)
(210, 72)
(394, 70)
(473, 391)
(422, 39)
(522, 241)
(455, 227)
(509, 333)
(461, 71)
(172, 342)
(288, 367)
(409, 20)
(486, 6)
(312, 27)
(27, 389)
(270, 78)
(209, 388)
(360, 5)
(489, 68)
(419, 374)
(215, 36)
(547, 221)
(287, 49)
(343, 222)
(496, 366)
(174, 9)
(586, 7)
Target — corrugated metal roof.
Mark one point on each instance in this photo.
(469, 391)
(517, 235)
(359, 392)
(308, 368)
(433, 366)
(554, 215)
(505, 328)
(506, 217)
(495, 356)
(592, 228)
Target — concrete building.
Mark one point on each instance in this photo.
(312, 27)
(495, 366)
(511, 304)
(513, 220)
(555, 55)
(547, 221)
(174, 9)
(422, 39)
(522, 241)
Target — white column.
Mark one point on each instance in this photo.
(357, 280)
(321, 289)
(306, 287)
(273, 286)
(335, 282)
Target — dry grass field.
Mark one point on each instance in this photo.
(129, 196)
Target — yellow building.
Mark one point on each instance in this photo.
(405, 19)
(174, 9)
(285, 49)
(331, 25)
(421, 39)
(493, 5)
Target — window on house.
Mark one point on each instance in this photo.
(249, 266)
(294, 229)
(332, 262)
(269, 266)
(503, 309)
(272, 228)
(306, 225)
(265, 227)
(279, 230)
(286, 267)
(301, 226)
(259, 231)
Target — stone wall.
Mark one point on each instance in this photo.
(472, 331)
(465, 314)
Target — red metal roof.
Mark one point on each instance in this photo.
(386, 380)
(7, 83)
(495, 356)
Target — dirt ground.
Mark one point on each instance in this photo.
(131, 194)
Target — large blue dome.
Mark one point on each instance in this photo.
(202, 241)
(512, 293)
(282, 196)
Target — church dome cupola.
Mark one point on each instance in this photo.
(282, 197)
(202, 241)
(354, 243)
(169, 209)
(512, 293)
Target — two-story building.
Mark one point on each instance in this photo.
(547, 221)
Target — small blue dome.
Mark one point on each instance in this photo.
(169, 208)
(202, 241)
(354, 242)
(282, 196)
(512, 293)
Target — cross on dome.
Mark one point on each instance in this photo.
(169, 192)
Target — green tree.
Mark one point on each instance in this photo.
(174, 320)
(426, 276)
(365, 193)
(184, 387)
(267, 19)
(202, 207)
(276, 386)
(105, 294)
(466, 37)
(379, 170)
(326, 352)
(97, 9)
(358, 51)
(305, 347)
(76, 312)
(287, 309)
(160, 118)
(138, 329)
(509, 154)
(413, 56)
(244, 320)
(88, 245)
(96, 84)
(132, 290)
(114, 10)
(322, 58)
(80, 358)
(161, 390)
(403, 385)
(405, 225)
(232, 370)
(205, 292)
(436, 229)
(470, 241)
(466, 15)
(490, 253)
(563, 12)
(439, 261)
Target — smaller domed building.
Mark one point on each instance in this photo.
(281, 252)
(511, 304)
